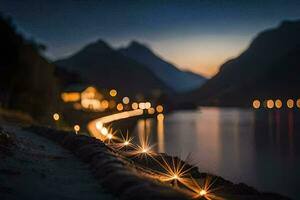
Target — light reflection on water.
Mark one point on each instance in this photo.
(260, 148)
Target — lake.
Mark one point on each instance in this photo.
(260, 148)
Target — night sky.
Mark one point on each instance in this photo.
(194, 35)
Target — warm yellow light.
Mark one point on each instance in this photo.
(76, 128)
(90, 93)
(290, 103)
(147, 105)
(92, 104)
(113, 92)
(126, 143)
(135, 106)
(270, 104)
(104, 104)
(298, 103)
(142, 105)
(56, 116)
(256, 104)
(120, 107)
(110, 136)
(151, 111)
(104, 131)
(126, 100)
(99, 125)
(144, 150)
(202, 192)
(70, 96)
(175, 177)
(159, 108)
(160, 117)
(278, 103)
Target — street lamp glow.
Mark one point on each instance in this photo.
(270, 103)
(144, 150)
(147, 105)
(175, 177)
(290, 103)
(77, 128)
(159, 108)
(126, 100)
(278, 103)
(56, 116)
(202, 192)
(142, 105)
(113, 92)
(256, 104)
(110, 136)
(298, 103)
(120, 107)
(135, 105)
(104, 131)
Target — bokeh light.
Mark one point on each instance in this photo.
(256, 104)
(270, 104)
(77, 128)
(159, 108)
(134, 105)
(278, 103)
(113, 92)
(126, 100)
(290, 103)
(120, 107)
(298, 103)
(56, 116)
(160, 117)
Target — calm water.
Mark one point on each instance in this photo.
(260, 148)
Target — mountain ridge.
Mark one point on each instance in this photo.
(97, 61)
(175, 78)
(264, 70)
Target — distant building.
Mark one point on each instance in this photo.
(83, 97)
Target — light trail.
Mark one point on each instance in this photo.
(95, 127)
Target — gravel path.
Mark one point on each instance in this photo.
(39, 169)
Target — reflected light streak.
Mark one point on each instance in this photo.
(160, 136)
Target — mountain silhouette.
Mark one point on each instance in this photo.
(269, 68)
(173, 77)
(105, 67)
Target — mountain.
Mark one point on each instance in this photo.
(100, 65)
(173, 77)
(268, 68)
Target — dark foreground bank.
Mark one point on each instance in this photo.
(115, 174)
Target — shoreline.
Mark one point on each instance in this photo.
(126, 177)
(100, 156)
